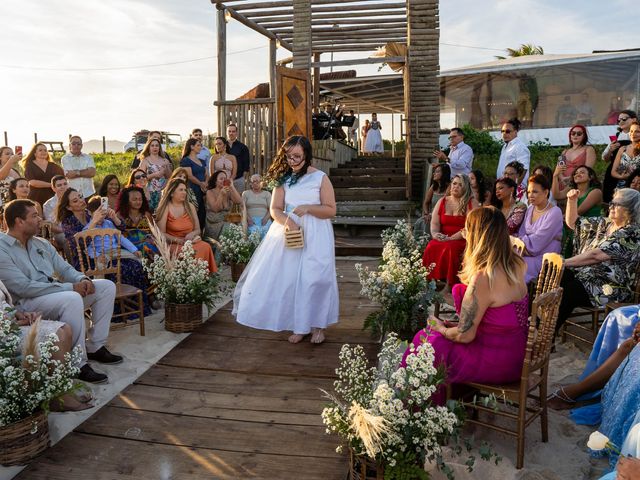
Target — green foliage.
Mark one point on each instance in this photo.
(481, 141)
(407, 468)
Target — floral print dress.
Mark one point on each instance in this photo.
(612, 280)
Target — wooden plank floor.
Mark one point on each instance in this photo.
(228, 402)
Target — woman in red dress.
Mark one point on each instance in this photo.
(447, 245)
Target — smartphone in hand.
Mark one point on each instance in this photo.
(104, 203)
(18, 150)
(226, 183)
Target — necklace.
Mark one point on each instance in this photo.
(545, 207)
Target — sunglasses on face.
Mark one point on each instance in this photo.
(621, 119)
(139, 177)
(506, 131)
(576, 134)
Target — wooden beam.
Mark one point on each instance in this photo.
(358, 61)
(358, 47)
(302, 34)
(316, 84)
(354, 28)
(370, 22)
(222, 63)
(254, 26)
(314, 9)
(263, 17)
(253, 101)
(272, 67)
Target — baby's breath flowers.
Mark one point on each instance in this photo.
(236, 246)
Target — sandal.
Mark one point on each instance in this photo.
(562, 396)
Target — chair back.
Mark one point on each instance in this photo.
(517, 244)
(550, 273)
(636, 289)
(542, 327)
(46, 230)
(96, 255)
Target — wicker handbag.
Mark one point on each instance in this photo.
(293, 238)
(234, 215)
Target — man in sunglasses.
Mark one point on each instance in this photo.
(79, 168)
(460, 157)
(626, 118)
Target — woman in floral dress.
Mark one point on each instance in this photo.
(134, 212)
(158, 170)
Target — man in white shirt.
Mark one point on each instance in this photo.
(460, 158)
(205, 153)
(513, 150)
(59, 185)
(79, 168)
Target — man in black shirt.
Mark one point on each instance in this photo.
(241, 152)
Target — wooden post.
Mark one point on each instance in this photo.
(393, 136)
(6, 139)
(301, 34)
(222, 67)
(104, 144)
(316, 84)
(273, 48)
(35, 137)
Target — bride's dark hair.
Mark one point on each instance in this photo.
(280, 172)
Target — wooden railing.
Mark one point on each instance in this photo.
(256, 128)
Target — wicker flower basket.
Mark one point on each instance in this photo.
(24, 440)
(181, 318)
(364, 468)
(236, 270)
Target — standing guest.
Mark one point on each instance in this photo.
(243, 159)
(626, 118)
(19, 189)
(183, 174)
(39, 169)
(585, 180)
(222, 159)
(513, 149)
(197, 173)
(153, 135)
(479, 188)
(8, 172)
(178, 220)
(257, 202)
(39, 280)
(74, 216)
(504, 199)
(516, 172)
(460, 157)
(353, 129)
(221, 196)
(488, 344)
(205, 153)
(634, 180)
(134, 211)
(79, 168)
(138, 178)
(446, 248)
(628, 158)
(363, 134)
(608, 253)
(157, 168)
(541, 229)
(110, 188)
(576, 155)
(440, 181)
(267, 295)
(373, 143)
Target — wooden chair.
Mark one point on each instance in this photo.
(522, 395)
(550, 274)
(518, 245)
(107, 263)
(593, 325)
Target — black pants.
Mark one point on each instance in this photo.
(573, 295)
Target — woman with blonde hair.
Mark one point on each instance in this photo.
(39, 169)
(157, 168)
(178, 220)
(488, 343)
(446, 248)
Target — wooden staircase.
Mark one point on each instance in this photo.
(371, 196)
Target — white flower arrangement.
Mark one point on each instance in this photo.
(401, 287)
(31, 382)
(598, 441)
(386, 412)
(403, 236)
(236, 246)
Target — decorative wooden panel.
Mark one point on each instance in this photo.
(293, 99)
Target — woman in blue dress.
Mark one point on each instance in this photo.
(197, 173)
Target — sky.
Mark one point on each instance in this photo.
(66, 65)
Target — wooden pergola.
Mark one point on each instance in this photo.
(309, 28)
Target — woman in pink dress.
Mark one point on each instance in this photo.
(577, 154)
(488, 344)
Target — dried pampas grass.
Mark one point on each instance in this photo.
(31, 343)
(163, 246)
(370, 428)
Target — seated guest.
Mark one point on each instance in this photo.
(627, 465)
(616, 338)
(110, 188)
(440, 181)
(488, 344)
(178, 220)
(628, 158)
(257, 202)
(607, 253)
(183, 174)
(27, 321)
(578, 154)
(134, 212)
(585, 180)
(516, 172)
(39, 280)
(634, 180)
(547, 173)
(19, 190)
(504, 199)
(138, 178)
(59, 185)
(8, 164)
(74, 216)
(446, 248)
(541, 229)
(221, 196)
(479, 188)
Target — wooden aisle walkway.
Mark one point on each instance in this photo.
(228, 402)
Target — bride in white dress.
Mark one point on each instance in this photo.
(293, 289)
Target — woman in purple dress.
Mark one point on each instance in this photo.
(541, 230)
(488, 344)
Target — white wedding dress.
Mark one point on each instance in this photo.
(292, 289)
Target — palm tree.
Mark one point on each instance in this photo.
(525, 49)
